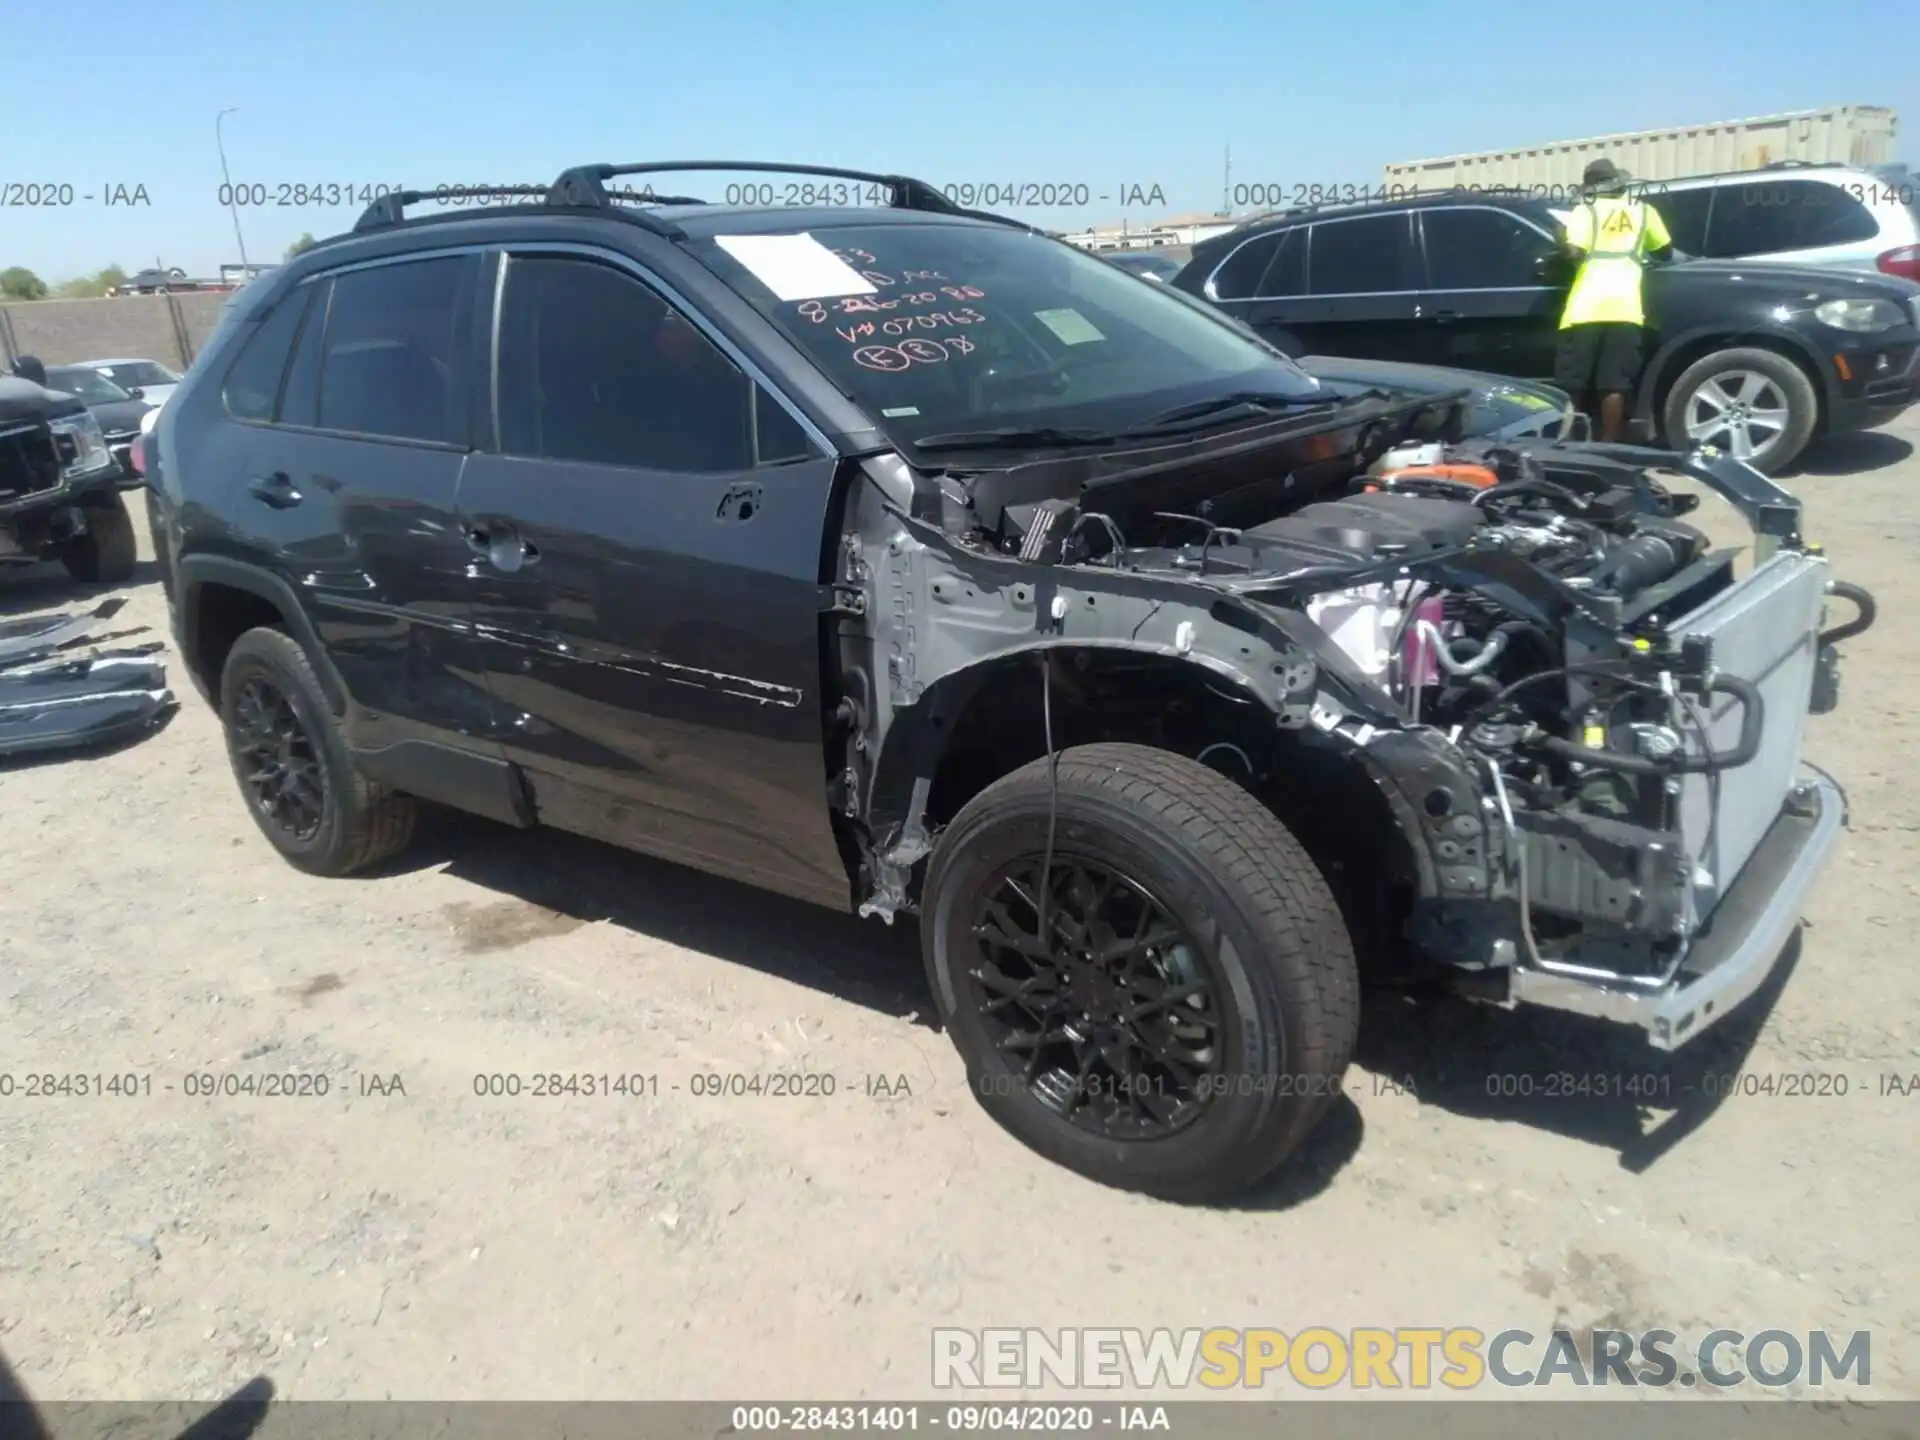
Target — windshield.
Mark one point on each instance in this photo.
(939, 328)
(128, 374)
(1500, 409)
(90, 385)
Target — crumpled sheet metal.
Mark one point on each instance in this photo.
(54, 697)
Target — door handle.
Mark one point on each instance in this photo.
(1446, 317)
(276, 490)
(503, 546)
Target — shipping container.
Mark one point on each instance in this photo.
(1846, 134)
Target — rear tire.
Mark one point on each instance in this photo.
(1253, 946)
(106, 552)
(1754, 390)
(292, 764)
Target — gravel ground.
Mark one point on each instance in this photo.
(403, 1236)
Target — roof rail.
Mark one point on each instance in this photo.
(1771, 168)
(391, 208)
(585, 185)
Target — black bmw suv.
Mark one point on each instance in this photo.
(1756, 359)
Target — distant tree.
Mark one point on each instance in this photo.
(305, 242)
(19, 283)
(90, 287)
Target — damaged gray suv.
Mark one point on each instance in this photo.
(903, 559)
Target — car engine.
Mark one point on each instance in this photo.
(1544, 614)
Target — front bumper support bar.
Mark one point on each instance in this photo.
(1733, 954)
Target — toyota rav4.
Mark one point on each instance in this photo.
(901, 558)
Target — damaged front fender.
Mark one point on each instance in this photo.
(942, 622)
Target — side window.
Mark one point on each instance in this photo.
(777, 436)
(1362, 256)
(1239, 278)
(394, 344)
(595, 367)
(1685, 212)
(252, 385)
(1769, 216)
(1475, 249)
(300, 399)
(1287, 275)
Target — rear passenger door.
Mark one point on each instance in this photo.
(649, 529)
(1355, 285)
(1491, 292)
(353, 470)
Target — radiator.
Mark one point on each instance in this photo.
(1764, 630)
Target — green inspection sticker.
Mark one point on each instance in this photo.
(1071, 326)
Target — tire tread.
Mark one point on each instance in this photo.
(379, 820)
(109, 552)
(1281, 892)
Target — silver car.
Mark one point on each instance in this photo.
(147, 380)
(1840, 215)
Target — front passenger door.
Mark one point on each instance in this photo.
(1493, 291)
(647, 581)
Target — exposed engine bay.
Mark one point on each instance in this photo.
(1586, 720)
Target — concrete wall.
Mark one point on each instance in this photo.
(167, 328)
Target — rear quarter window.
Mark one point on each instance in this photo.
(1239, 278)
(252, 384)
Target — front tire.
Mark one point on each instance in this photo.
(292, 765)
(1194, 1013)
(106, 552)
(1756, 405)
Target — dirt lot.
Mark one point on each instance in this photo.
(430, 1242)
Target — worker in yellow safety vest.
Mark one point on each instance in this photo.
(1603, 325)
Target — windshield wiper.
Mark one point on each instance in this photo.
(1014, 438)
(1212, 408)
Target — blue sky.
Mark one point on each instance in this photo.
(427, 92)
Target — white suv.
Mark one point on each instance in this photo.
(1837, 215)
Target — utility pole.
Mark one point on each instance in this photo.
(1226, 185)
(220, 144)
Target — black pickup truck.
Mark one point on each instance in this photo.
(59, 487)
(901, 558)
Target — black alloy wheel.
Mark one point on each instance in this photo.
(291, 759)
(279, 764)
(1112, 1017)
(1181, 1018)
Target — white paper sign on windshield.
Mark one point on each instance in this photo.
(795, 267)
(1070, 326)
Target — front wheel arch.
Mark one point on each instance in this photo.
(1676, 355)
(927, 739)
